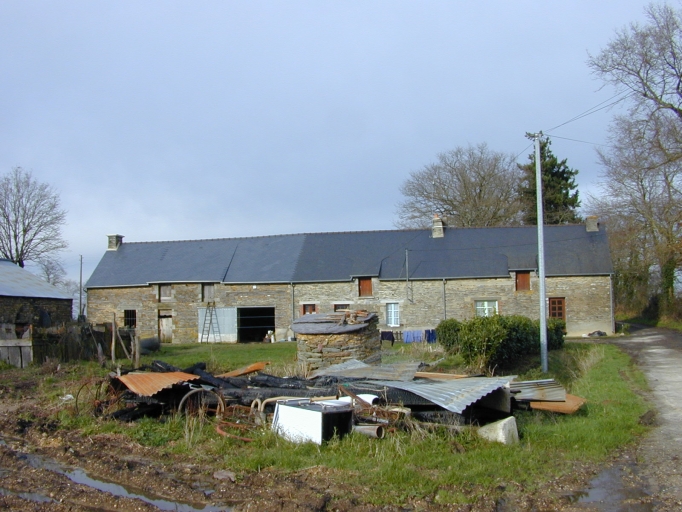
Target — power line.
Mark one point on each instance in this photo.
(596, 108)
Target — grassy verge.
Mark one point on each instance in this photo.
(436, 466)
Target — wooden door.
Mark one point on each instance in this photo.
(166, 329)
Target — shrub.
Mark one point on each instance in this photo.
(555, 333)
(486, 342)
(447, 333)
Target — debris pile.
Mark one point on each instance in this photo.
(352, 396)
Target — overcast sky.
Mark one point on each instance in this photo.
(213, 119)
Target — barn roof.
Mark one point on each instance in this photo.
(18, 282)
(325, 257)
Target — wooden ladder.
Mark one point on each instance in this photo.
(211, 325)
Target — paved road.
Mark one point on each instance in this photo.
(652, 479)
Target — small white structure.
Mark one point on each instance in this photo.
(503, 431)
(301, 420)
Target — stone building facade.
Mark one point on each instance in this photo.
(451, 274)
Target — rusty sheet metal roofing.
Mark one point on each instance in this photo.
(454, 395)
(357, 369)
(149, 384)
(547, 390)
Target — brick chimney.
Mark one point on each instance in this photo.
(114, 242)
(437, 227)
(592, 223)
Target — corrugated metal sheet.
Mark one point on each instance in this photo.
(454, 395)
(148, 384)
(359, 370)
(547, 390)
(18, 282)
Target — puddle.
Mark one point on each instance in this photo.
(79, 476)
(607, 493)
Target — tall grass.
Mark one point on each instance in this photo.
(437, 466)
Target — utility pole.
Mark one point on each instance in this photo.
(80, 292)
(541, 255)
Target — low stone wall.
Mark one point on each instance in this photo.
(317, 351)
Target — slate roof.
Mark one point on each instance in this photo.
(326, 257)
(18, 282)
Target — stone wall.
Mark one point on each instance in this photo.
(317, 351)
(422, 304)
(29, 310)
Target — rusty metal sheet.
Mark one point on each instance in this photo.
(539, 390)
(148, 384)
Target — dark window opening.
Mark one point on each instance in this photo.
(522, 280)
(253, 324)
(365, 286)
(339, 307)
(130, 318)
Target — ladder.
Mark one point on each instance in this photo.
(211, 326)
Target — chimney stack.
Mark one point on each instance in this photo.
(437, 227)
(114, 242)
(592, 223)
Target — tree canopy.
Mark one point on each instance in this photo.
(642, 167)
(559, 190)
(31, 219)
(470, 186)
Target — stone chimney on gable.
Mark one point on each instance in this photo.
(592, 223)
(114, 242)
(437, 227)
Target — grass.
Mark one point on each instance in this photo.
(406, 465)
(668, 323)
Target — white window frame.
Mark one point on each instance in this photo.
(393, 314)
(485, 307)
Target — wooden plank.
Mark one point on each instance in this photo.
(252, 368)
(571, 405)
(439, 376)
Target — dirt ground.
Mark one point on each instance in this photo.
(41, 465)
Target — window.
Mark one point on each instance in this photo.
(365, 286)
(208, 292)
(557, 308)
(130, 318)
(339, 307)
(164, 292)
(522, 280)
(308, 309)
(393, 314)
(486, 307)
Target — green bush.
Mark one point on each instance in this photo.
(447, 333)
(555, 333)
(487, 342)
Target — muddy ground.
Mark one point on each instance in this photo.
(41, 465)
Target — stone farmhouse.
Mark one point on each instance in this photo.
(412, 279)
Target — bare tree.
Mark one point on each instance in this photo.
(30, 219)
(641, 194)
(52, 271)
(642, 175)
(470, 186)
(647, 61)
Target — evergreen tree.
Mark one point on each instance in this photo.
(559, 194)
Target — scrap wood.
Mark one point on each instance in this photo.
(252, 368)
(439, 376)
(227, 434)
(571, 405)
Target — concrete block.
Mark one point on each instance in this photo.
(503, 431)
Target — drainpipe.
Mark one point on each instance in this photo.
(445, 309)
(293, 304)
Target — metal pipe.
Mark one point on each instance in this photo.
(374, 431)
(541, 255)
(445, 308)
